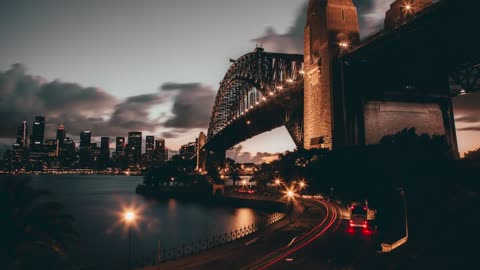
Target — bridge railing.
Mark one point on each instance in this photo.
(162, 255)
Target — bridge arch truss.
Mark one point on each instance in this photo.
(253, 80)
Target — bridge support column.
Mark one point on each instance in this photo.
(201, 154)
(450, 129)
(332, 27)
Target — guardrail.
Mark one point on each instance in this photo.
(195, 247)
(389, 247)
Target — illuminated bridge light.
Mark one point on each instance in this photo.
(248, 122)
(301, 72)
(343, 45)
(280, 87)
(271, 93)
(264, 98)
(290, 80)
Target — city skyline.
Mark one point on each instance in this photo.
(144, 91)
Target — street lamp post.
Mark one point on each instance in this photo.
(402, 192)
(302, 187)
(290, 196)
(129, 219)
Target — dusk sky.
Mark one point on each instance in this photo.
(114, 66)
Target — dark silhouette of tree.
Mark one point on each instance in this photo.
(235, 174)
(473, 155)
(35, 232)
(264, 176)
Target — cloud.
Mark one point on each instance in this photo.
(475, 118)
(473, 128)
(371, 14)
(246, 157)
(170, 86)
(170, 135)
(192, 105)
(24, 96)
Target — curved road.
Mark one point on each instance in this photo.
(331, 222)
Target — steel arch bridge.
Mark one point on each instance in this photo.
(259, 92)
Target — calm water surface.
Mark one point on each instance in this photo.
(96, 202)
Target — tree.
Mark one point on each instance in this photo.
(473, 155)
(35, 232)
(262, 177)
(235, 174)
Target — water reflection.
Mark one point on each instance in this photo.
(98, 204)
(243, 217)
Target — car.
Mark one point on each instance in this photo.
(358, 215)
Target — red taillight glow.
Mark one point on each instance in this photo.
(367, 232)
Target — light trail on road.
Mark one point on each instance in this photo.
(318, 231)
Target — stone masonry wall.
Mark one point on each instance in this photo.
(387, 118)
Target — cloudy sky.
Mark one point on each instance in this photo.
(113, 66)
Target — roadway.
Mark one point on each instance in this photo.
(316, 239)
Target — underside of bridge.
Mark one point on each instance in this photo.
(260, 91)
(354, 91)
(406, 76)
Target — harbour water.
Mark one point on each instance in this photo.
(97, 203)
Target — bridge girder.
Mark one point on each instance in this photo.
(254, 80)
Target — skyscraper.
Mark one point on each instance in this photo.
(134, 147)
(38, 134)
(120, 145)
(68, 155)
(104, 151)
(84, 150)
(37, 154)
(22, 135)
(61, 134)
(119, 155)
(160, 152)
(85, 139)
(149, 149)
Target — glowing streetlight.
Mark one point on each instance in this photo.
(248, 122)
(244, 182)
(129, 218)
(277, 182)
(290, 80)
